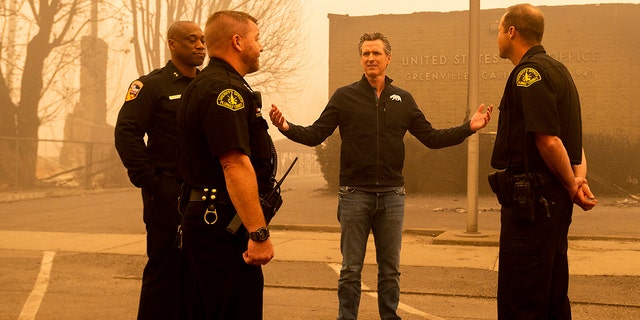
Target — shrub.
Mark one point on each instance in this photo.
(613, 168)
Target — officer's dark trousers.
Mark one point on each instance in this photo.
(533, 275)
(160, 295)
(223, 286)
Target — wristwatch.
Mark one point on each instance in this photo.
(259, 235)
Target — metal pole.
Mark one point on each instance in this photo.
(472, 99)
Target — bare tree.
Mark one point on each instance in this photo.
(30, 57)
(40, 50)
(283, 56)
(279, 22)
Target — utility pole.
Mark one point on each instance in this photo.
(472, 99)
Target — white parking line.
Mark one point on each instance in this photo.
(31, 306)
(406, 308)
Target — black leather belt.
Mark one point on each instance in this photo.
(537, 178)
(209, 194)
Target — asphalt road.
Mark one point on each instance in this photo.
(89, 285)
(307, 202)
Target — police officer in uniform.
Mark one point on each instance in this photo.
(150, 108)
(225, 158)
(538, 148)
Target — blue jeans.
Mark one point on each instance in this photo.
(359, 213)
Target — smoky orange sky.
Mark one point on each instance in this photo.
(305, 107)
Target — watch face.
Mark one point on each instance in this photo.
(261, 234)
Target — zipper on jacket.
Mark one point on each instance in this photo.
(377, 135)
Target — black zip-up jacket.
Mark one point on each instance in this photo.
(372, 132)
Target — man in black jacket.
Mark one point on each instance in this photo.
(150, 108)
(373, 116)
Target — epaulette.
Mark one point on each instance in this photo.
(155, 72)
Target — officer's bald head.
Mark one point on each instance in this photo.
(223, 25)
(178, 29)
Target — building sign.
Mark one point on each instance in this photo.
(430, 59)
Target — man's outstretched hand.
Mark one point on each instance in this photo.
(278, 119)
(479, 119)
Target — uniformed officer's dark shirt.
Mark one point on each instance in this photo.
(150, 108)
(218, 114)
(540, 96)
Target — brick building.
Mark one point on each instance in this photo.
(598, 43)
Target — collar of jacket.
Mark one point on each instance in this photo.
(173, 71)
(532, 52)
(365, 83)
(224, 64)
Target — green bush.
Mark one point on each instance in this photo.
(445, 170)
(329, 158)
(613, 165)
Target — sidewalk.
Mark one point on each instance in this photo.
(593, 250)
(457, 249)
(322, 244)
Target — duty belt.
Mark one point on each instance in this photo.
(207, 194)
(211, 197)
(537, 178)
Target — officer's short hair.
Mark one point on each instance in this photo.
(235, 15)
(372, 37)
(527, 19)
(218, 27)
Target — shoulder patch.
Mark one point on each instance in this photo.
(230, 99)
(527, 77)
(134, 89)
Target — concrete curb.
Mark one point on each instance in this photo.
(458, 237)
(305, 228)
(448, 237)
(8, 196)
